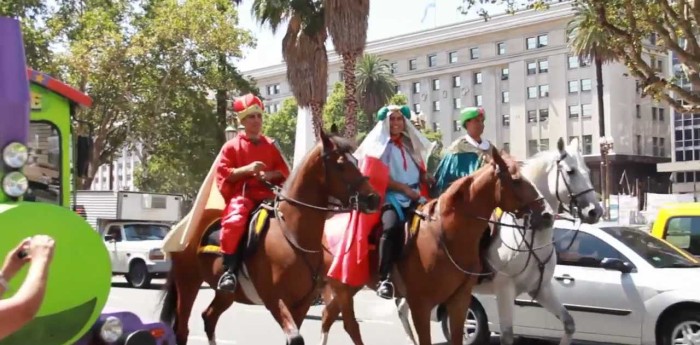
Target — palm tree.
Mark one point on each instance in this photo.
(375, 84)
(588, 41)
(303, 49)
(347, 25)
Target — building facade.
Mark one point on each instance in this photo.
(685, 145)
(118, 176)
(518, 67)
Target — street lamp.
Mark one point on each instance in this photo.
(606, 148)
(230, 132)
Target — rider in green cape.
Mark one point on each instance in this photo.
(465, 156)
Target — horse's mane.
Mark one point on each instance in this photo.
(343, 145)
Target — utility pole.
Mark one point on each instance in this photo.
(606, 147)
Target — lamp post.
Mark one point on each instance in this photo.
(606, 148)
(230, 132)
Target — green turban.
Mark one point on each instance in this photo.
(470, 113)
(384, 111)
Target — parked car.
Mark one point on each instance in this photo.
(620, 284)
(679, 223)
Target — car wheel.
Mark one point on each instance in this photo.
(138, 275)
(681, 328)
(476, 327)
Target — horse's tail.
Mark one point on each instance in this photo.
(169, 300)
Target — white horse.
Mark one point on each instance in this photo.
(523, 261)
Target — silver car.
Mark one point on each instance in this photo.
(646, 291)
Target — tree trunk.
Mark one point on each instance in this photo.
(317, 118)
(221, 105)
(349, 60)
(601, 106)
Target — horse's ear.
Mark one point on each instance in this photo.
(560, 144)
(327, 142)
(498, 159)
(574, 144)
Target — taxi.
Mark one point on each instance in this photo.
(679, 224)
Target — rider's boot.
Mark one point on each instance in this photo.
(228, 280)
(386, 288)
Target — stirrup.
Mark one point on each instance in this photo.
(387, 283)
(227, 289)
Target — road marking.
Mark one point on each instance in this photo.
(218, 341)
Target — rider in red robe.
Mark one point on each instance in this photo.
(244, 161)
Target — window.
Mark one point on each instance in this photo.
(585, 85)
(416, 107)
(457, 103)
(456, 81)
(639, 111)
(573, 86)
(436, 126)
(474, 53)
(531, 116)
(531, 68)
(505, 120)
(684, 233)
(587, 110)
(436, 105)
(573, 62)
(587, 144)
(544, 115)
(506, 147)
(536, 42)
(532, 92)
(544, 144)
(432, 60)
(273, 89)
(654, 251)
(574, 111)
(43, 168)
(115, 232)
(654, 146)
(544, 66)
(544, 90)
(504, 73)
(662, 147)
(477, 78)
(452, 57)
(436, 84)
(412, 64)
(505, 97)
(416, 87)
(662, 116)
(639, 144)
(532, 147)
(586, 250)
(500, 48)
(456, 126)
(394, 67)
(478, 100)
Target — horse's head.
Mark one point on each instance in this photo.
(571, 182)
(515, 193)
(343, 179)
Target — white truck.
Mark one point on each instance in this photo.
(133, 225)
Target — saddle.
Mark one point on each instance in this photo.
(411, 226)
(258, 224)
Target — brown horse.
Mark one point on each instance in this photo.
(284, 271)
(441, 261)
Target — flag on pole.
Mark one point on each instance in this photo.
(425, 10)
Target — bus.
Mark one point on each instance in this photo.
(42, 159)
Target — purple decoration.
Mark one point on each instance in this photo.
(14, 87)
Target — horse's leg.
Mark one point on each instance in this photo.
(187, 290)
(457, 307)
(221, 302)
(331, 310)
(344, 296)
(505, 297)
(280, 312)
(550, 301)
(405, 315)
(420, 313)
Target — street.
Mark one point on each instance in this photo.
(244, 324)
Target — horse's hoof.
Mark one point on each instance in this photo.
(295, 340)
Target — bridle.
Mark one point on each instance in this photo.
(573, 198)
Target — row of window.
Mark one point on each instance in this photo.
(535, 145)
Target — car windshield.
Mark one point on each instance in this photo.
(145, 232)
(656, 252)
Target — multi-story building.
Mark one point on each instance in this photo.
(519, 68)
(119, 175)
(685, 145)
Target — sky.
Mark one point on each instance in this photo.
(387, 18)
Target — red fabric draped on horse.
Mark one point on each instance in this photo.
(281, 253)
(441, 262)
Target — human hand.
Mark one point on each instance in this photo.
(412, 194)
(13, 263)
(269, 175)
(41, 247)
(256, 167)
(429, 180)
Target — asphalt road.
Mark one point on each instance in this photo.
(243, 325)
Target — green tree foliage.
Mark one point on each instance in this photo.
(281, 126)
(334, 113)
(398, 99)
